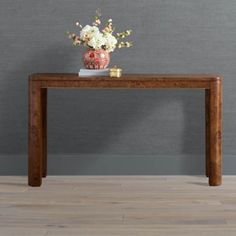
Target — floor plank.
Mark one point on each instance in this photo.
(117, 205)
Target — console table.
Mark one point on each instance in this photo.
(40, 83)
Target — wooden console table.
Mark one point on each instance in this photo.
(39, 83)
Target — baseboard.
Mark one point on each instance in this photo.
(93, 164)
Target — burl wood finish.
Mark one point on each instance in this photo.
(39, 83)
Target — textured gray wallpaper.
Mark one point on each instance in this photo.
(119, 131)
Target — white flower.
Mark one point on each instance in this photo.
(97, 41)
(110, 42)
(88, 32)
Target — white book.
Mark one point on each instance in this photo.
(90, 72)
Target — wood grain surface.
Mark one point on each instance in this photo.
(39, 83)
(118, 205)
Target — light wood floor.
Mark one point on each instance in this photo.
(118, 205)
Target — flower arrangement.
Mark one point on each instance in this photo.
(92, 37)
(100, 41)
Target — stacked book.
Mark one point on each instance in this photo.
(90, 72)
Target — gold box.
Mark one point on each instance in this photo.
(115, 72)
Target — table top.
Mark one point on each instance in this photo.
(128, 77)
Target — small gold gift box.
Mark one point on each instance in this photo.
(115, 72)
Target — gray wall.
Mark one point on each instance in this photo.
(118, 132)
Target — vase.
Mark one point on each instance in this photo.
(96, 59)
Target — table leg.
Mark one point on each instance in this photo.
(35, 134)
(207, 132)
(44, 130)
(215, 91)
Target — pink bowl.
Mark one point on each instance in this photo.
(96, 59)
